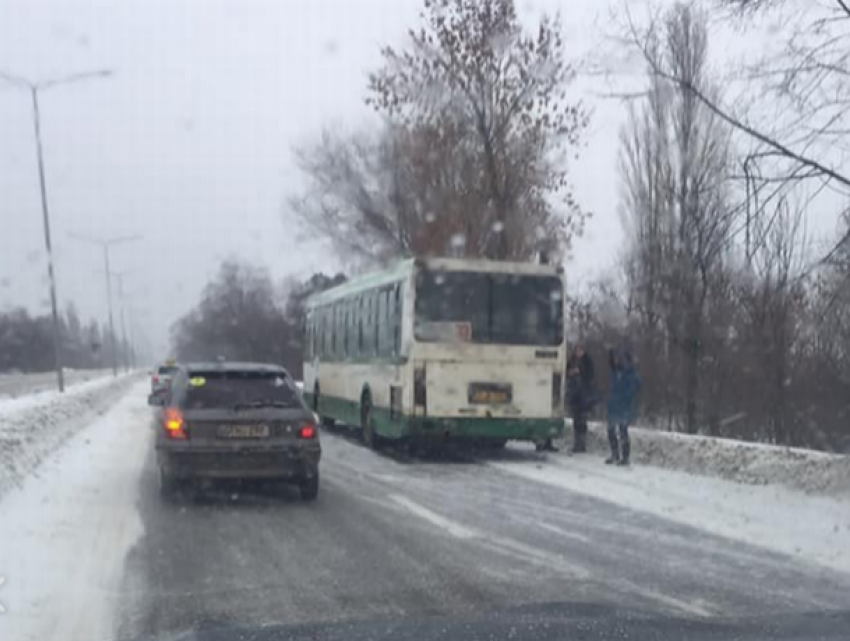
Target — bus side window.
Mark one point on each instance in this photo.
(333, 330)
(368, 330)
(344, 327)
(308, 338)
(386, 344)
(396, 319)
(319, 333)
(339, 328)
(326, 332)
(379, 320)
(361, 313)
(350, 323)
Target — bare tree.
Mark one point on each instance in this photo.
(471, 70)
(357, 196)
(675, 165)
(797, 118)
(236, 318)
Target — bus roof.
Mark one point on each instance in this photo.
(362, 283)
(403, 268)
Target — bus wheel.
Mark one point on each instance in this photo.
(369, 436)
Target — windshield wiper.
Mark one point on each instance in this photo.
(260, 402)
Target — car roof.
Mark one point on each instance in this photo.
(235, 366)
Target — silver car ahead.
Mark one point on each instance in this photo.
(161, 377)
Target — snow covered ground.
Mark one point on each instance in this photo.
(773, 516)
(31, 427)
(751, 463)
(65, 531)
(15, 385)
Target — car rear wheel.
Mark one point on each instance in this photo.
(168, 485)
(309, 487)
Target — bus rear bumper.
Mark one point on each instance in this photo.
(482, 429)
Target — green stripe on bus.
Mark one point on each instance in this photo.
(429, 428)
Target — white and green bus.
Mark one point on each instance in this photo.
(436, 350)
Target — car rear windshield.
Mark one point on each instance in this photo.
(240, 389)
(166, 370)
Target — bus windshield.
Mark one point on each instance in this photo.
(481, 307)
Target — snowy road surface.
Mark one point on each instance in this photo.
(90, 552)
(15, 385)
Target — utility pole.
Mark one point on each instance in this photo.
(127, 347)
(33, 88)
(105, 244)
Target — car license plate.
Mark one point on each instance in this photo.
(489, 394)
(243, 431)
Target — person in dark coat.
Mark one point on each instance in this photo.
(625, 385)
(581, 394)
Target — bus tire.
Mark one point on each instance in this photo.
(325, 421)
(369, 436)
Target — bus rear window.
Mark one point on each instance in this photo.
(477, 307)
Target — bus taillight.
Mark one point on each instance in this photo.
(557, 397)
(420, 398)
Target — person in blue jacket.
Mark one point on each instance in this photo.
(625, 385)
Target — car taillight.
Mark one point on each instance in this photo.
(307, 431)
(155, 378)
(174, 424)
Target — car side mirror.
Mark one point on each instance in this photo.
(156, 400)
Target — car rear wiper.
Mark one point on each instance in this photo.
(262, 403)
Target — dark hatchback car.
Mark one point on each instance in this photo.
(235, 421)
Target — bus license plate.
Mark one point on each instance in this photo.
(489, 394)
(243, 431)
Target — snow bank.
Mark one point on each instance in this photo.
(66, 534)
(750, 463)
(32, 427)
(20, 384)
(813, 529)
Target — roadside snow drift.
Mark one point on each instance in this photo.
(32, 427)
(16, 385)
(65, 533)
(749, 463)
(788, 521)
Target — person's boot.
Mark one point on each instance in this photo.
(581, 441)
(546, 446)
(627, 446)
(612, 442)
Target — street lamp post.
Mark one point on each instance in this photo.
(127, 348)
(34, 88)
(105, 245)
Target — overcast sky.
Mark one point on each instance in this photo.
(189, 144)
